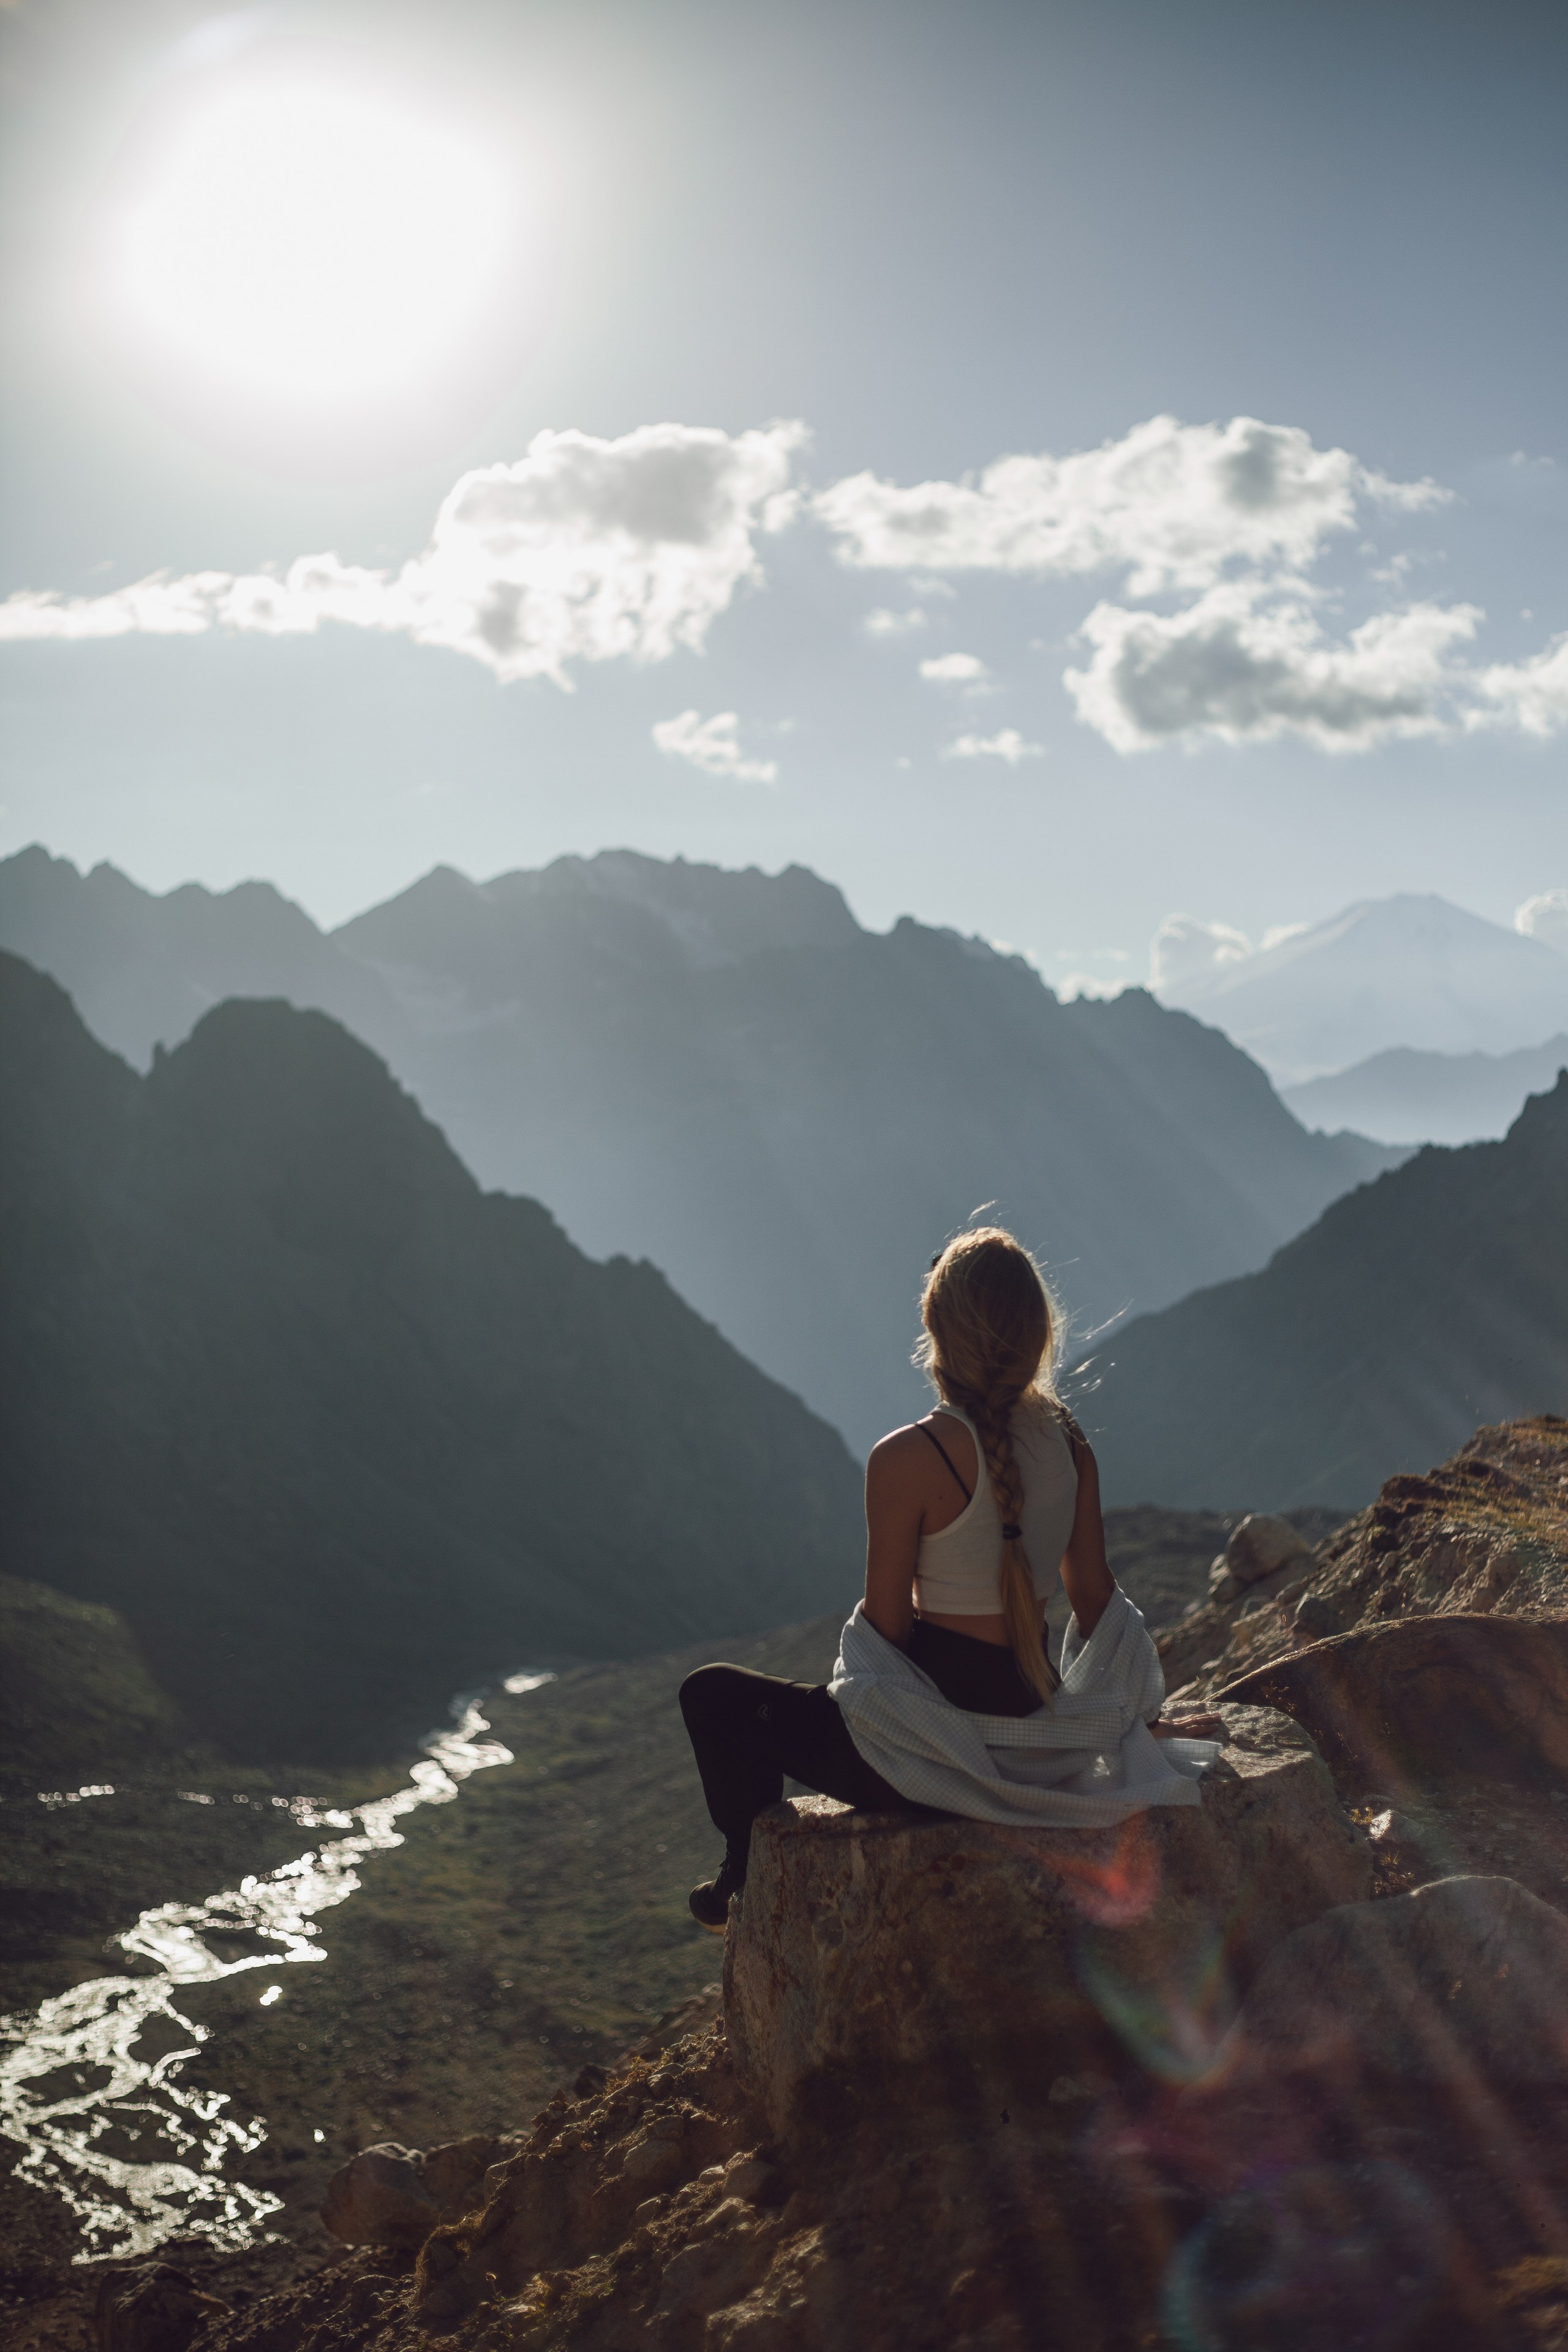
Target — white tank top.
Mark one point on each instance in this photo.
(958, 1570)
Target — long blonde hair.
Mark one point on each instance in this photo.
(991, 1328)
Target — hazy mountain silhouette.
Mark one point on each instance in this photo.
(143, 969)
(1412, 969)
(1422, 1305)
(335, 1430)
(724, 1073)
(1407, 1096)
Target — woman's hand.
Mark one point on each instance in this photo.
(1190, 1726)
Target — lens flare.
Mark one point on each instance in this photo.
(1318, 2259)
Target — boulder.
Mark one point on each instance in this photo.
(379, 2197)
(945, 1969)
(1261, 1546)
(1462, 1983)
(393, 2196)
(151, 2307)
(1420, 1702)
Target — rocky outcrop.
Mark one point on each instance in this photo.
(1378, 2156)
(1419, 1703)
(1285, 2068)
(1483, 1535)
(1464, 1980)
(888, 2139)
(947, 1969)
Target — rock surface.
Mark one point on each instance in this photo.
(393, 2196)
(1462, 1982)
(1415, 1703)
(379, 2197)
(1263, 1545)
(150, 2308)
(1483, 1535)
(942, 1968)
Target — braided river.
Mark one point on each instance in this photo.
(90, 2080)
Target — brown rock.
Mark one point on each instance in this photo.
(393, 2196)
(1423, 1701)
(1463, 1982)
(1261, 1546)
(151, 2307)
(379, 2198)
(936, 1968)
(1484, 1534)
(453, 2176)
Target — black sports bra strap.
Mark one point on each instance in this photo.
(947, 1457)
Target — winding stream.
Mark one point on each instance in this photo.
(89, 2081)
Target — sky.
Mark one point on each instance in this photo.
(1046, 468)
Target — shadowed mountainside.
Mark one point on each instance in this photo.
(1421, 1305)
(337, 1431)
(724, 1073)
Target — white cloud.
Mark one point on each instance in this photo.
(1532, 695)
(1170, 504)
(1245, 663)
(884, 621)
(582, 551)
(1184, 948)
(955, 669)
(1546, 917)
(713, 745)
(1007, 744)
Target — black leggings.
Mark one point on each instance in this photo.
(749, 1731)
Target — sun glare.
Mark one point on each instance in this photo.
(315, 247)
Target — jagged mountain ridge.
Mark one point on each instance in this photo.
(336, 1431)
(1372, 1344)
(788, 1114)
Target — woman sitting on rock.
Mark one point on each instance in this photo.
(944, 1694)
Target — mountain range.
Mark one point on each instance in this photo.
(1414, 1308)
(1404, 1096)
(336, 1431)
(725, 1074)
(1408, 971)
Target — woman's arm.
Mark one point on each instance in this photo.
(896, 1481)
(1086, 1572)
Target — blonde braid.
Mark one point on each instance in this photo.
(990, 1339)
(992, 1418)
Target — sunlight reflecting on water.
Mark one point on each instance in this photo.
(89, 2081)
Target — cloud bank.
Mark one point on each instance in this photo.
(1245, 665)
(586, 550)
(582, 551)
(1173, 504)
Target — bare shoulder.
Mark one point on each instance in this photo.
(900, 1449)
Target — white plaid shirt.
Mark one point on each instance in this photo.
(1085, 1761)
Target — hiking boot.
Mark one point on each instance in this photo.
(709, 1902)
